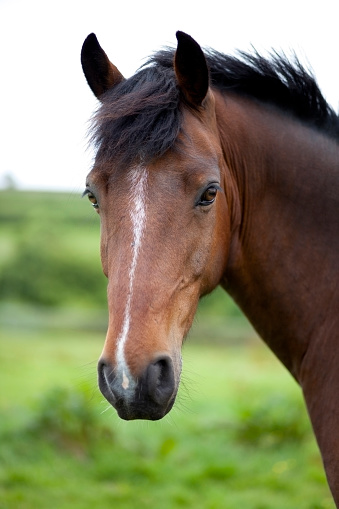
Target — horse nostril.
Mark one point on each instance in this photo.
(105, 380)
(160, 380)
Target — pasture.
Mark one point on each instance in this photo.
(238, 436)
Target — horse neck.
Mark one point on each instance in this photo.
(283, 255)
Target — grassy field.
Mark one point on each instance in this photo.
(237, 438)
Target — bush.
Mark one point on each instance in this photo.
(272, 422)
(42, 272)
(69, 419)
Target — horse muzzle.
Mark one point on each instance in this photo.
(150, 396)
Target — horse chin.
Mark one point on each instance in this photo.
(148, 412)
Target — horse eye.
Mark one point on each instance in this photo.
(208, 196)
(91, 198)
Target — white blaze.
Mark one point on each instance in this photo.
(138, 221)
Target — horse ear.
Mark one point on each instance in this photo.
(100, 73)
(191, 69)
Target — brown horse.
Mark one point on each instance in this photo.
(213, 170)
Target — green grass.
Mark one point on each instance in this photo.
(238, 436)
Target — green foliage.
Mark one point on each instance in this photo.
(43, 272)
(59, 444)
(68, 418)
(51, 253)
(218, 304)
(275, 420)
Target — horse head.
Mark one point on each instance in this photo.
(165, 221)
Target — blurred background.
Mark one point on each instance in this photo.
(238, 435)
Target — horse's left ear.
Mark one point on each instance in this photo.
(100, 73)
(191, 69)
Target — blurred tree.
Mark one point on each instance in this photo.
(44, 273)
(8, 182)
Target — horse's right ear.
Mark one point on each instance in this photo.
(100, 73)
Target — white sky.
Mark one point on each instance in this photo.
(45, 102)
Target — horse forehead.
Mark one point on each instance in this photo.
(198, 149)
(200, 137)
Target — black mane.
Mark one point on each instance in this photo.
(140, 118)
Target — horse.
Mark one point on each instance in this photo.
(216, 170)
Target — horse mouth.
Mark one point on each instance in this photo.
(143, 411)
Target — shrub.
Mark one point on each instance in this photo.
(276, 420)
(41, 272)
(68, 419)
